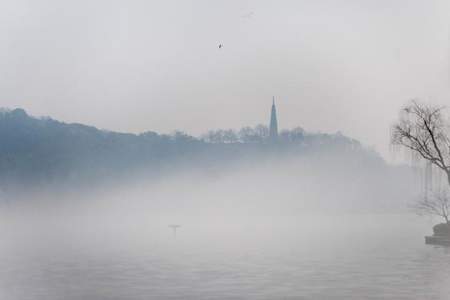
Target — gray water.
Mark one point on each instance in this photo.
(339, 257)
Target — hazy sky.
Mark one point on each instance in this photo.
(140, 65)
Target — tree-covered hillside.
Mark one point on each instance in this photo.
(43, 151)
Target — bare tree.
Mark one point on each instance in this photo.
(438, 204)
(423, 129)
(247, 135)
(296, 134)
(214, 136)
(261, 131)
(229, 136)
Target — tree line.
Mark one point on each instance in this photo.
(247, 134)
(44, 151)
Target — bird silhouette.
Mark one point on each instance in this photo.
(220, 46)
(248, 15)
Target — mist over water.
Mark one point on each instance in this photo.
(266, 230)
(318, 256)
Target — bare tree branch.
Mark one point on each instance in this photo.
(438, 204)
(422, 129)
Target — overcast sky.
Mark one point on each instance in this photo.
(140, 65)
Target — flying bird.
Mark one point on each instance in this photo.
(249, 15)
(220, 46)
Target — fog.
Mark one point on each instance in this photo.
(276, 183)
(258, 229)
(318, 218)
(151, 179)
(252, 195)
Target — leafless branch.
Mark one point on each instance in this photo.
(422, 129)
(437, 204)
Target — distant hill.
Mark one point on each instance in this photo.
(45, 152)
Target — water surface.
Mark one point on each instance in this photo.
(339, 257)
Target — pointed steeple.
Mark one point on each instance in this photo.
(273, 128)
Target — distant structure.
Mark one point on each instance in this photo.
(273, 128)
(174, 228)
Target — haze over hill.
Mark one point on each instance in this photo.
(42, 154)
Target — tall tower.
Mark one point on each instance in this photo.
(273, 128)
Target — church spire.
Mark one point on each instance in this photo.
(273, 128)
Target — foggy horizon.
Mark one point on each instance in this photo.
(140, 66)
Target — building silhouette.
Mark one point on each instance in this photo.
(273, 128)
